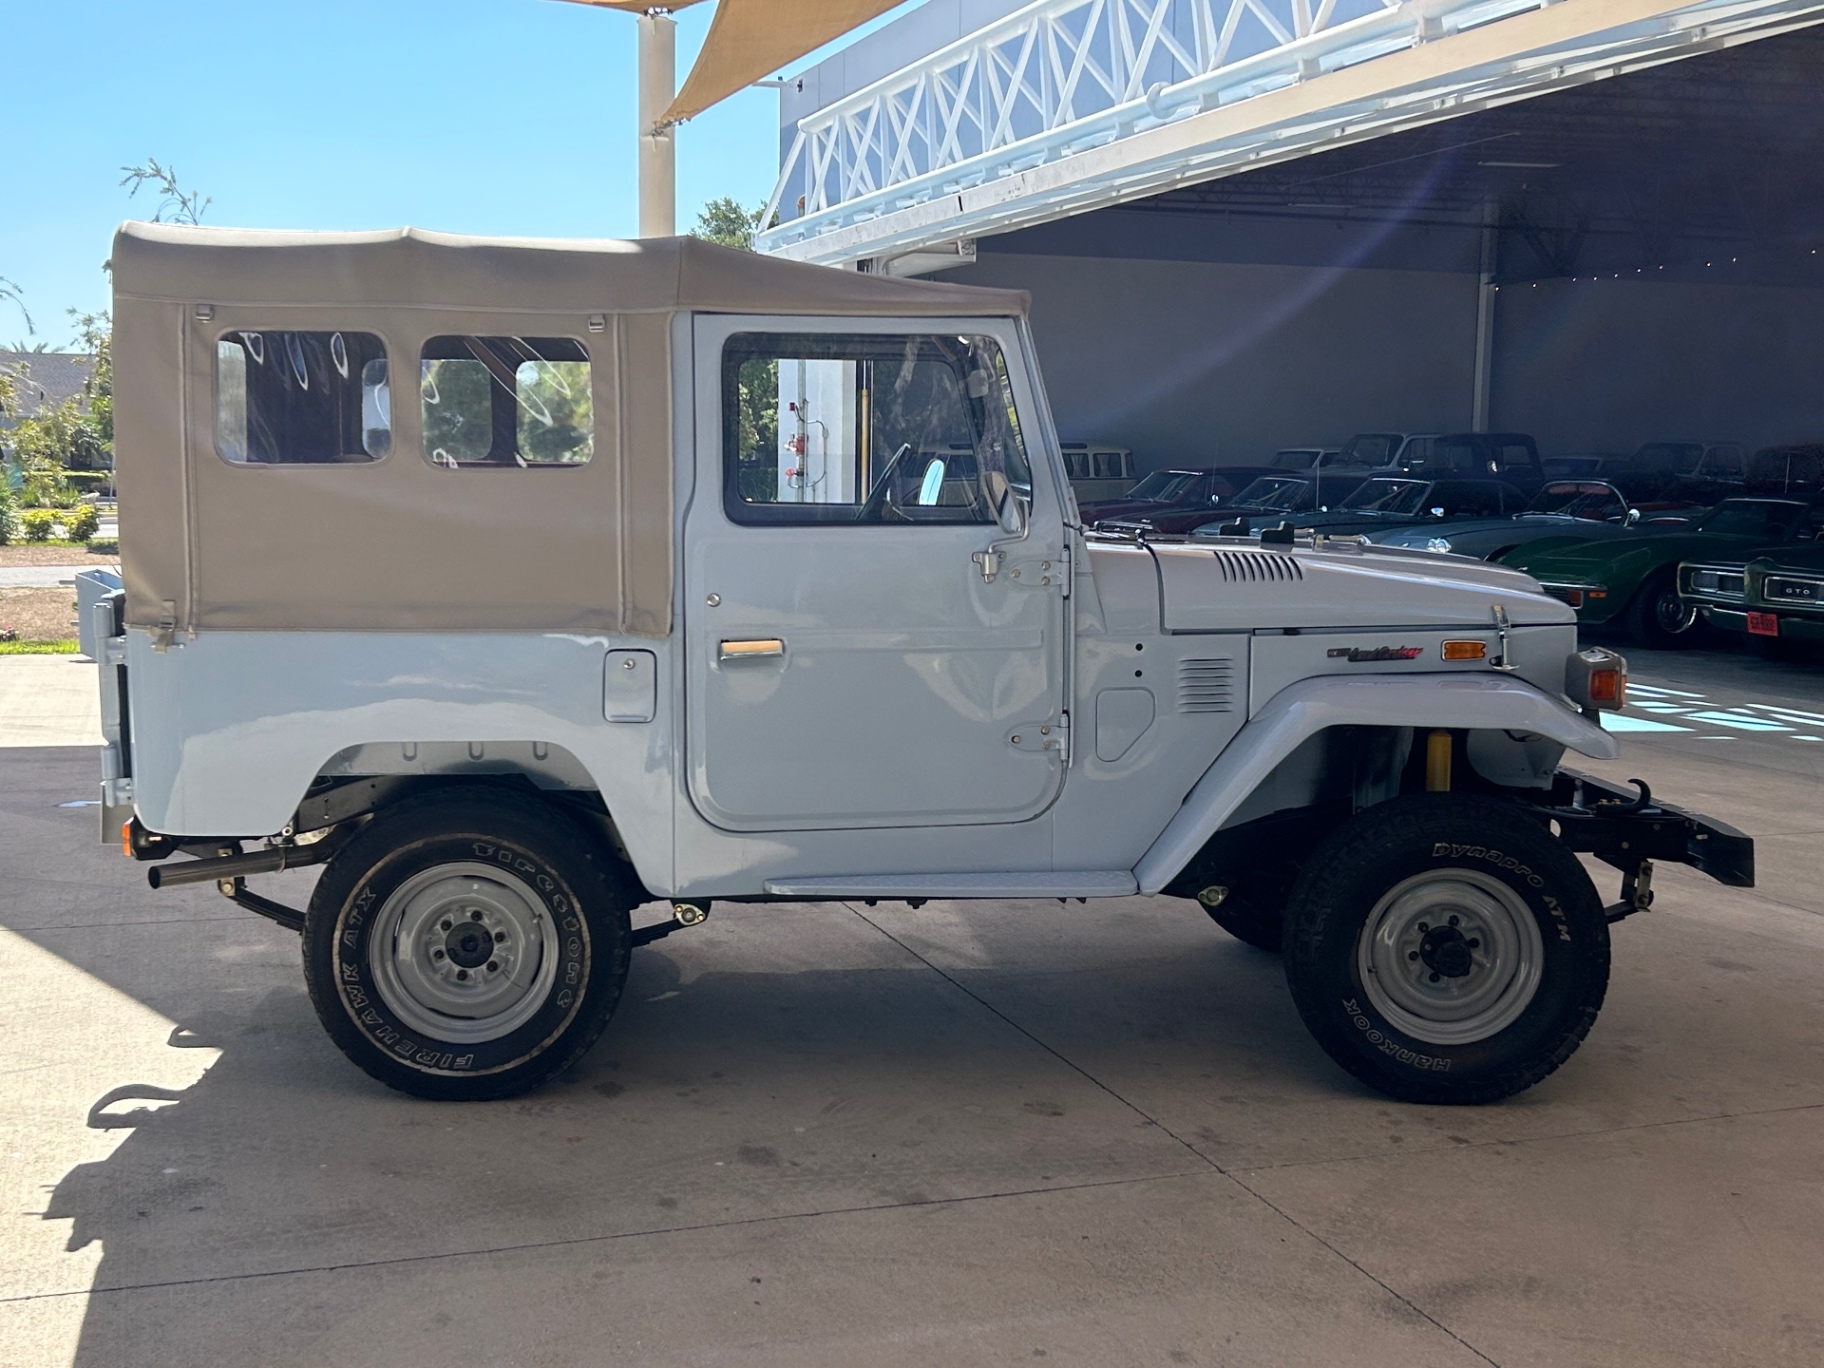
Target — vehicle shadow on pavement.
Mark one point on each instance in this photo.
(717, 1097)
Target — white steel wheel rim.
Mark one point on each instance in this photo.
(464, 953)
(1450, 957)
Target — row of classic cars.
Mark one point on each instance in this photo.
(1688, 534)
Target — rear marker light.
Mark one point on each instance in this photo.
(1465, 650)
(126, 839)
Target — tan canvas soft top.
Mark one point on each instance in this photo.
(399, 544)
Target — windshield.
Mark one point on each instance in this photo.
(1579, 499)
(1388, 496)
(1369, 449)
(1297, 459)
(1162, 485)
(1268, 492)
(1770, 519)
(1672, 458)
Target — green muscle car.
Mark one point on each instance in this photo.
(1775, 595)
(1632, 580)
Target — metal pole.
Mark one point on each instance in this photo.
(1485, 324)
(658, 149)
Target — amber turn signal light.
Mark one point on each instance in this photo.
(1465, 650)
(1608, 688)
(126, 838)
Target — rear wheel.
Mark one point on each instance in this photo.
(468, 946)
(1658, 617)
(1446, 948)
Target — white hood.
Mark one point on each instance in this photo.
(1237, 585)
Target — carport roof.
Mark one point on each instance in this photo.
(874, 191)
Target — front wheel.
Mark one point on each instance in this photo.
(1447, 949)
(468, 945)
(1658, 617)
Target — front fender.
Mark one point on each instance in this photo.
(1453, 701)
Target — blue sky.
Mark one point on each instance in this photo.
(479, 116)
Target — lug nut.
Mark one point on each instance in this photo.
(474, 914)
(493, 966)
(500, 937)
(1453, 921)
(1412, 954)
(1424, 926)
(1475, 945)
(463, 975)
(447, 923)
(1434, 978)
(437, 954)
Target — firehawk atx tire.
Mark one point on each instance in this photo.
(1446, 948)
(468, 946)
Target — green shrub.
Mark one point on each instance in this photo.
(90, 481)
(9, 515)
(81, 522)
(38, 523)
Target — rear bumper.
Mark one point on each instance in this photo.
(1614, 825)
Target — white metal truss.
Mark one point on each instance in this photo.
(1066, 105)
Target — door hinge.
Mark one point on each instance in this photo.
(1042, 736)
(1038, 573)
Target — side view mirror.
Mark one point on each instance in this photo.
(1633, 516)
(1437, 512)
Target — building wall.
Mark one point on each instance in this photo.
(1197, 362)
(1604, 365)
(1210, 363)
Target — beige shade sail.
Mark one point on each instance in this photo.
(398, 543)
(749, 39)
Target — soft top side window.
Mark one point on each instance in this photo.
(301, 398)
(506, 401)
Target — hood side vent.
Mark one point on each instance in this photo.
(1258, 567)
(1206, 686)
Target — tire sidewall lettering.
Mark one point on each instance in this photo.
(351, 946)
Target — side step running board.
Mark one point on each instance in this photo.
(1096, 883)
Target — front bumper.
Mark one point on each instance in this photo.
(1592, 601)
(1627, 829)
(1792, 626)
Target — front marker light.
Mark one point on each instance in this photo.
(1596, 679)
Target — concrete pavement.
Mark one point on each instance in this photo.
(49, 701)
(971, 1133)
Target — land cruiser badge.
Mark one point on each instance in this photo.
(1357, 655)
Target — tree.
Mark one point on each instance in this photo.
(725, 221)
(95, 335)
(9, 292)
(184, 206)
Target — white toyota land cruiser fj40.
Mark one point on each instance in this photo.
(679, 573)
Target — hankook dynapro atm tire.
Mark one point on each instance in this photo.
(1446, 948)
(468, 945)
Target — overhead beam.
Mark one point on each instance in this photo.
(1199, 131)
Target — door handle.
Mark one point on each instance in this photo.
(762, 648)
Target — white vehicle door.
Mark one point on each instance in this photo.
(869, 640)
